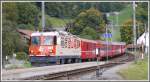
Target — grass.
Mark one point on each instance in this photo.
(123, 16)
(27, 64)
(136, 71)
(55, 22)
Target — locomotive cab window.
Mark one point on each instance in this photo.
(35, 40)
(48, 40)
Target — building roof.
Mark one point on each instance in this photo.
(26, 33)
(144, 39)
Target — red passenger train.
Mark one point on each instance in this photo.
(62, 47)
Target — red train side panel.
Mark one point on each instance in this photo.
(88, 49)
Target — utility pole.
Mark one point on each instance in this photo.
(145, 49)
(113, 29)
(110, 25)
(138, 31)
(98, 67)
(134, 27)
(107, 42)
(117, 18)
(43, 15)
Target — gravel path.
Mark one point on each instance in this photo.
(109, 74)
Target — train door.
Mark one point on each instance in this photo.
(112, 50)
(97, 51)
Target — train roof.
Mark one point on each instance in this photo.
(45, 33)
(53, 33)
(87, 40)
(113, 43)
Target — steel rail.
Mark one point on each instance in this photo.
(111, 63)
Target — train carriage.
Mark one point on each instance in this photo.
(110, 49)
(54, 47)
(62, 47)
(88, 49)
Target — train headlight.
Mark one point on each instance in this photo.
(31, 51)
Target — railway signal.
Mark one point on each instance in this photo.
(107, 35)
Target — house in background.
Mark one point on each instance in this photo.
(144, 40)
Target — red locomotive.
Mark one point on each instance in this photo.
(62, 47)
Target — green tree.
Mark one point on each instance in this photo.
(72, 9)
(142, 12)
(127, 31)
(91, 18)
(10, 11)
(9, 16)
(27, 13)
(10, 37)
(12, 42)
(23, 14)
(54, 9)
(110, 6)
(89, 33)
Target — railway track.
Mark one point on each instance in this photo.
(67, 74)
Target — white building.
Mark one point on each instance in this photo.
(144, 39)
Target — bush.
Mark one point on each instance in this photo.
(21, 56)
(27, 64)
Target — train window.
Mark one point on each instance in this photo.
(74, 43)
(105, 48)
(62, 42)
(48, 40)
(69, 43)
(35, 40)
(66, 43)
(78, 43)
